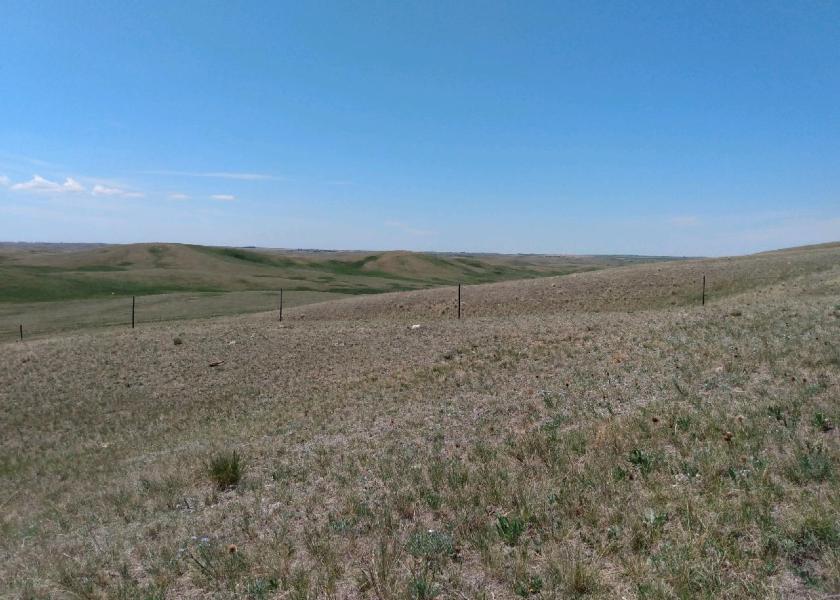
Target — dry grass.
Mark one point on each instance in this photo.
(648, 286)
(671, 452)
(46, 273)
(55, 288)
(48, 318)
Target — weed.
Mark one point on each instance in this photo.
(571, 576)
(778, 413)
(422, 588)
(816, 533)
(528, 586)
(510, 529)
(642, 460)
(216, 563)
(261, 588)
(548, 399)
(812, 463)
(226, 469)
(432, 499)
(431, 545)
(822, 423)
(655, 519)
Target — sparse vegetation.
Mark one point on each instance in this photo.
(510, 529)
(226, 469)
(53, 288)
(664, 453)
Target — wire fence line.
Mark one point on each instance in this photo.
(24, 321)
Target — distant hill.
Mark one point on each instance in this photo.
(640, 287)
(44, 272)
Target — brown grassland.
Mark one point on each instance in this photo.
(596, 435)
(49, 288)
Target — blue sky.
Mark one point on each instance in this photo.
(689, 128)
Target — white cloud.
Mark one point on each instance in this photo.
(5, 181)
(179, 196)
(224, 197)
(216, 175)
(39, 184)
(71, 185)
(103, 190)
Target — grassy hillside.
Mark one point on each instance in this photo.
(624, 446)
(639, 287)
(46, 273)
(48, 288)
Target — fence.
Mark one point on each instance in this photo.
(26, 321)
(37, 319)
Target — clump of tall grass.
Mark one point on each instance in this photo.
(226, 469)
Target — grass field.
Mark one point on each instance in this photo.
(39, 273)
(594, 435)
(44, 318)
(54, 287)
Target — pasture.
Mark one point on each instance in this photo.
(49, 288)
(591, 435)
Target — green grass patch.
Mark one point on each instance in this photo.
(22, 286)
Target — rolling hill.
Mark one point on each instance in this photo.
(45, 272)
(595, 435)
(46, 288)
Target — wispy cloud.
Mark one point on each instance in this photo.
(104, 190)
(40, 184)
(223, 197)
(5, 181)
(71, 185)
(28, 160)
(179, 196)
(216, 175)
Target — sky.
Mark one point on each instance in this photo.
(665, 128)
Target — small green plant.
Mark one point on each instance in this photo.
(822, 423)
(529, 586)
(340, 524)
(642, 460)
(655, 519)
(224, 566)
(510, 529)
(689, 469)
(431, 545)
(548, 399)
(618, 474)
(813, 464)
(432, 499)
(422, 588)
(226, 469)
(261, 588)
(777, 412)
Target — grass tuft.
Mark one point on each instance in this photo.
(226, 469)
(510, 529)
